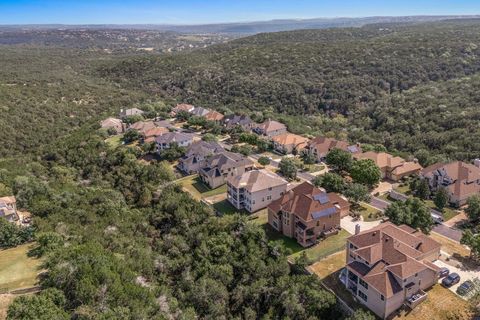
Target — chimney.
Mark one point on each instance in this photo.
(476, 162)
(357, 229)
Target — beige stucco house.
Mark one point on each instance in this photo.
(255, 189)
(287, 143)
(113, 123)
(393, 168)
(270, 128)
(319, 147)
(389, 266)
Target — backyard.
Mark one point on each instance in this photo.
(198, 190)
(369, 213)
(17, 269)
(114, 141)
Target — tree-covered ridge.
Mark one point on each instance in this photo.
(309, 77)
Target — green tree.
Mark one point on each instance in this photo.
(308, 158)
(47, 305)
(340, 160)
(473, 242)
(440, 199)
(420, 188)
(366, 172)
(473, 208)
(414, 212)
(331, 182)
(288, 167)
(264, 161)
(357, 193)
(47, 242)
(209, 137)
(131, 136)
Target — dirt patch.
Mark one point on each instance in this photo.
(5, 300)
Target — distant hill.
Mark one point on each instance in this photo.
(255, 27)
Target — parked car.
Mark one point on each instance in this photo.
(443, 272)
(465, 288)
(451, 279)
(437, 219)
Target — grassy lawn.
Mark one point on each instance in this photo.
(114, 141)
(441, 304)
(369, 213)
(260, 217)
(405, 189)
(226, 208)
(448, 213)
(314, 167)
(329, 265)
(449, 246)
(17, 270)
(198, 189)
(289, 243)
(325, 247)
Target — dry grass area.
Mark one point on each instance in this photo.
(441, 304)
(5, 300)
(329, 265)
(17, 269)
(449, 246)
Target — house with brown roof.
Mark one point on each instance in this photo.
(222, 166)
(142, 126)
(255, 189)
(307, 213)
(197, 154)
(113, 123)
(151, 134)
(289, 143)
(270, 128)
(389, 266)
(319, 147)
(8, 208)
(460, 179)
(181, 107)
(393, 168)
(214, 116)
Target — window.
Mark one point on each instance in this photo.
(270, 189)
(363, 283)
(382, 297)
(416, 274)
(362, 295)
(269, 197)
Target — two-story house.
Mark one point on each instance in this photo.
(460, 179)
(319, 147)
(307, 213)
(389, 266)
(270, 128)
(167, 139)
(8, 208)
(242, 121)
(125, 113)
(182, 107)
(255, 189)
(113, 123)
(222, 166)
(197, 154)
(393, 168)
(287, 143)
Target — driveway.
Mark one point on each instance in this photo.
(455, 266)
(349, 225)
(383, 187)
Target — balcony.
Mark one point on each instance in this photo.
(415, 299)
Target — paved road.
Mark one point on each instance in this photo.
(442, 229)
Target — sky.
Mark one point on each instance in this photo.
(215, 11)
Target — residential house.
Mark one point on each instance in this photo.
(389, 266)
(197, 154)
(214, 116)
(270, 128)
(289, 143)
(130, 112)
(8, 208)
(460, 179)
(200, 111)
(167, 139)
(151, 134)
(113, 123)
(393, 168)
(255, 189)
(181, 107)
(319, 147)
(222, 166)
(307, 213)
(142, 126)
(243, 121)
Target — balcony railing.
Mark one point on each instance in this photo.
(415, 299)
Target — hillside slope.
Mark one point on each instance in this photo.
(316, 73)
